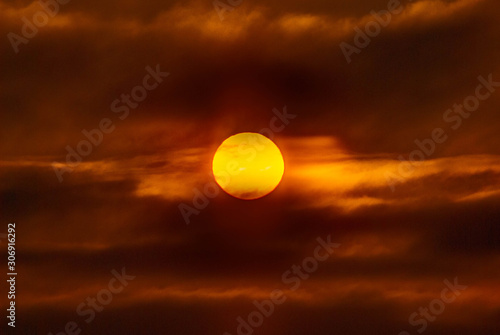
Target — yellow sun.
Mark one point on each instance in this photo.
(248, 166)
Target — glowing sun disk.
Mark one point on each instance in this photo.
(248, 166)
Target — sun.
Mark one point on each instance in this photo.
(248, 166)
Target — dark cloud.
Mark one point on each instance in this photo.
(118, 208)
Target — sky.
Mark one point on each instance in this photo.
(387, 116)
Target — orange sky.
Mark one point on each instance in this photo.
(401, 234)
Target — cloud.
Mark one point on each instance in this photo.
(119, 207)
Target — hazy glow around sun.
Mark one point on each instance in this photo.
(248, 166)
